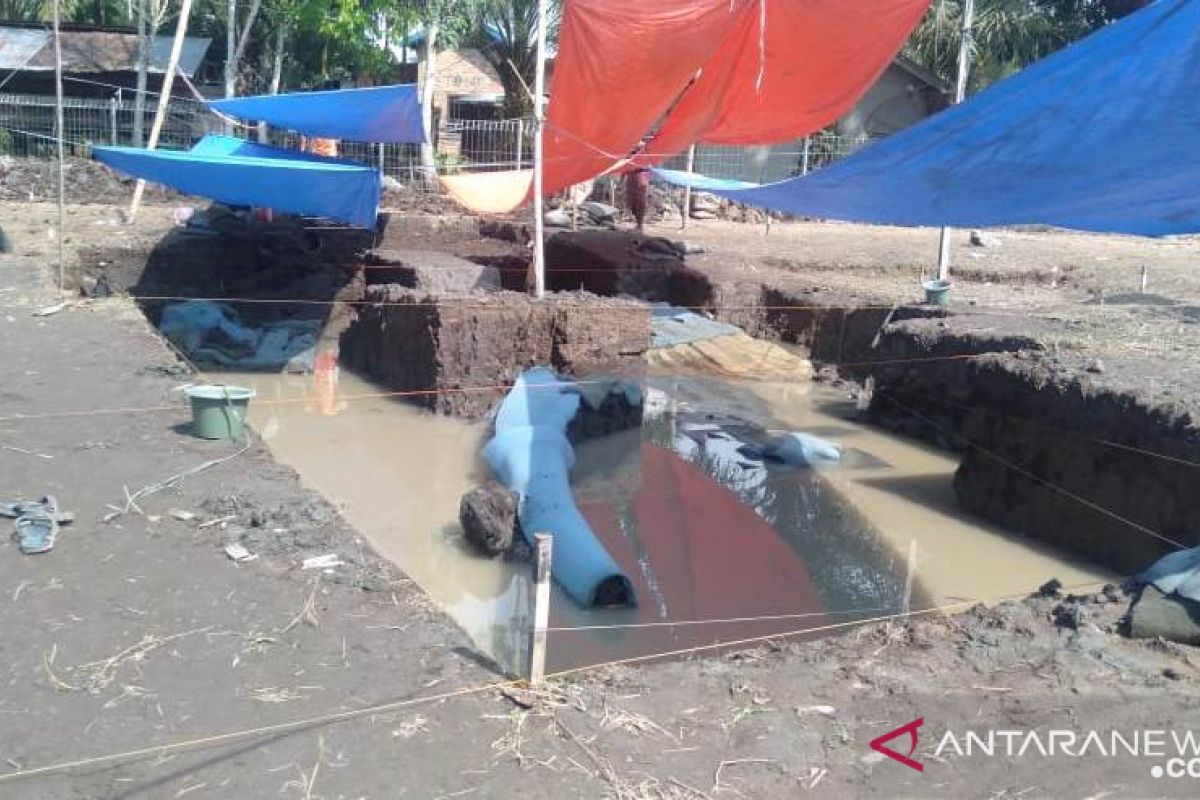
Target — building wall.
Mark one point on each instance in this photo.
(461, 72)
(898, 99)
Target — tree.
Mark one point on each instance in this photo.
(445, 22)
(23, 10)
(509, 30)
(1008, 34)
(151, 14)
(235, 43)
(98, 12)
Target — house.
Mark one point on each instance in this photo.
(904, 94)
(97, 61)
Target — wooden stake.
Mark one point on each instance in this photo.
(544, 544)
(62, 132)
(687, 190)
(164, 97)
(910, 576)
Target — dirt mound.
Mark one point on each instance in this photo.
(87, 182)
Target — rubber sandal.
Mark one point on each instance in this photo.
(48, 505)
(36, 533)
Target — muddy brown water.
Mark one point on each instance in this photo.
(720, 548)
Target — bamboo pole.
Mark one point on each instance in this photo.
(61, 132)
(965, 46)
(164, 97)
(539, 119)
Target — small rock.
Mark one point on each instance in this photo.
(599, 213)
(488, 515)
(1050, 588)
(1113, 593)
(1172, 674)
(1096, 366)
(1067, 616)
(985, 239)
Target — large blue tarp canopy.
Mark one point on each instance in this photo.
(375, 114)
(243, 173)
(1103, 136)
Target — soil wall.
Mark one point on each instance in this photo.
(1059, 447)
(1053, 445)
(461, 353)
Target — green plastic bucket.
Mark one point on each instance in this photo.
(937, 293)
(219, 412)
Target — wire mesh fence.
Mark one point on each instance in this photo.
(27, 129)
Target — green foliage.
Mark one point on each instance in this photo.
(100, 12)
(24, 10)
(506, 33)
(1008, 34)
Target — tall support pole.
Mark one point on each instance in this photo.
(687, 190)
(164, 96)
(541, 608)
(61, 132)
(960, 92)
(539, 120)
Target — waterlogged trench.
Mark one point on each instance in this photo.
(705, 533)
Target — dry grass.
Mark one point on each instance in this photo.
(95, 676)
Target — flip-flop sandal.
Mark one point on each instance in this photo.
(22, 508)
(36, 533)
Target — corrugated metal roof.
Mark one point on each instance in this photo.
(93, 51)
(18, 46)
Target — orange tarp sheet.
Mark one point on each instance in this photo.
(723, 71)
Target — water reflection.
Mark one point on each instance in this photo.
(705, 532)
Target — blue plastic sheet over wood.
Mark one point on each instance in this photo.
(532, 456)
(1103, 136)
(242, 173)
(375, 114)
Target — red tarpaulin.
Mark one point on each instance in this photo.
(724, 71)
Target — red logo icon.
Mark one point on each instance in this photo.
(879, 745)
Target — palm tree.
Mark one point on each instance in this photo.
(509, 29)
(1008, 34)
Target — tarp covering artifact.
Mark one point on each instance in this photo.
(1101, 136)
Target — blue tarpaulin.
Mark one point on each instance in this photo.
(375, 114)
(1103, 136)
(243, 173)
(532, 456)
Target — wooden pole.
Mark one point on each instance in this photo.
(61, 131)
(539, 119)
(687, 190)
(965, 46)
(544, 545)
(164, 97)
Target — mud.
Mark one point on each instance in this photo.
(458, 356)
(33, 180)
(785, 718)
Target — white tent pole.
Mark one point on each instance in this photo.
(960, 93)
(164, 97)
(61, 133)
(539, 115)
